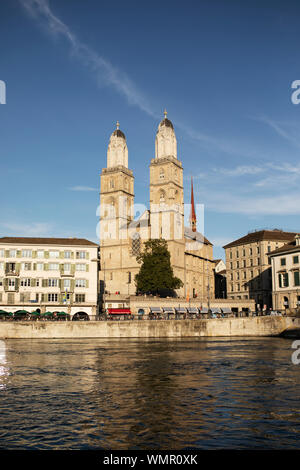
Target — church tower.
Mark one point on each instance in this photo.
(116, 212)
(166, 195)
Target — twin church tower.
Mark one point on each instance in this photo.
(122, 235)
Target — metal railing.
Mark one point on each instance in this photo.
(158, 317)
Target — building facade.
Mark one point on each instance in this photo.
(122, 236)
(49, 274)
(248, 265)
(220, 279)
(285, 262)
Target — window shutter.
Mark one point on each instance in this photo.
(46, 267)
(32, 282)
(34, 266)
(34, 254)
(61, 268)
(43, 296)
(72, 268)
(44, 282)
(87, 255)
(61, 254)
(72, 285)
(87, 283)
(72, 254)
(279, 280)
(6, 253)
(6, 284)
(87, 268)
(18, 253)
(18, 265)
(17, 284)
(46, 254)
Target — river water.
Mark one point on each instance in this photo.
(215, 393)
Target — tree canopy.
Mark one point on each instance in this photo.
(156, 275)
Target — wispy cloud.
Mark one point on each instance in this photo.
(280, 130)
(226, 202)
(36, 229)
(240, 170)
(83, 188)
(101, 69)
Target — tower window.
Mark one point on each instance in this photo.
(136, 244)
(162, 174)
(162, 196)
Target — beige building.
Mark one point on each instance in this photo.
(285, 262)
(122, 236)
(248, 268)
(220, 279)
(49, 274)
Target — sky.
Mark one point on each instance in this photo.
(223, 69)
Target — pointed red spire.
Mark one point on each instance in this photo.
(193, 220)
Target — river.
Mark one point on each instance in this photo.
(208, 393)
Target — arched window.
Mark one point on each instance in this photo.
(162, 196)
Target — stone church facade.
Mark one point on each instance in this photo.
(122, 237)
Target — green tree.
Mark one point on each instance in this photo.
(156, 273)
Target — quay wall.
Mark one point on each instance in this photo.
(252, 326)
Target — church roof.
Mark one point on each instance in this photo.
(197, 236)
(119, 133)
(166, 122)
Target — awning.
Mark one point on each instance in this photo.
(204, 310)
(119, 311)
(226, 310)
(155, 309)
(215, 310)
(193, 310)
(168, 310)
(180, 310)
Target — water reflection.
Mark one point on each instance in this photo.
(155, 394)
(4, 370)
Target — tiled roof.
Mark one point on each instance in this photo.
(286, 248)
(272, 235)
(47, 241)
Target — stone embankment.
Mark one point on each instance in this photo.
(253, 326)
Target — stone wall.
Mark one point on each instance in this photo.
(255, 326)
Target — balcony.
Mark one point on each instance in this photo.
(12, 272)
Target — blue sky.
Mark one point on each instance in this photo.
(222, 69)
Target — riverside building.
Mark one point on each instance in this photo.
(285, 263)
(49, 274)
(248, 268)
